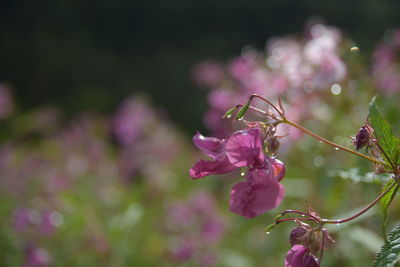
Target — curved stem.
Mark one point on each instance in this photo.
(321, 254)
(363, 210)
(319, 138)
(266, 101)
(293, 219)
(301, 213)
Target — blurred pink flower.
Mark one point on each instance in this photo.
(131, 120)
(208, 73)
(195, 226)
(36, 257)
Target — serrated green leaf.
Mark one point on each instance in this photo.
(383, 132)
(390, 250)
(385, 203)
(242, 111)
(229, 113)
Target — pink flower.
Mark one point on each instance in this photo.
(261, 191)
(299, 256)
(252, 199)
(243, 148)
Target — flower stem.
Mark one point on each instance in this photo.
(363, 210)
(299, 212)
(266, 101)
(323, 140)
(293, 219)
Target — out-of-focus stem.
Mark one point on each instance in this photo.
(319, 138)
(363, 210)
(266, 101)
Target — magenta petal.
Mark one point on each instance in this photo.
(250, 200)
(261, 175)
(279, 169)
(295, 256)
(212, 146)
(244, 148)
(204, 168)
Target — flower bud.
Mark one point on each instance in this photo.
(298, 236)
(310, 261)
(273, 144)
(363, 136)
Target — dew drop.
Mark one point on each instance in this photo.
(336, 148)
(267, 233)
(302, 215)
(338, 224)
(354, 49)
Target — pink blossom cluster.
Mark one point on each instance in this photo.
(145, 137)
(194, 227)
(385, 65)
(262, 190)
(291, 67)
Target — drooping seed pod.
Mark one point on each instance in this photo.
(363, 136)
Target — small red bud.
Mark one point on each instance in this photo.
(363, 136)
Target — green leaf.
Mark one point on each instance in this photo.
(242, 111)
(383, 132)
(385, 203)
(390, 250)
(229, 113)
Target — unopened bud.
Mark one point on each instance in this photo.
(273, 144)
(363, 136)
(298, 236)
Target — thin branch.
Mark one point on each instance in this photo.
(319, 138)
(363, 210)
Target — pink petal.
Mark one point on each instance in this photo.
(212, 146)
(244, 148)
(250, 200)
(295, 256)
(298, 256)
(261, 175)
(204, 168)
(279, 169)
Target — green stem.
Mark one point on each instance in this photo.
(319, 138)
(363, 210)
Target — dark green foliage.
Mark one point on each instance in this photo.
(390, 250)
(384, 133)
